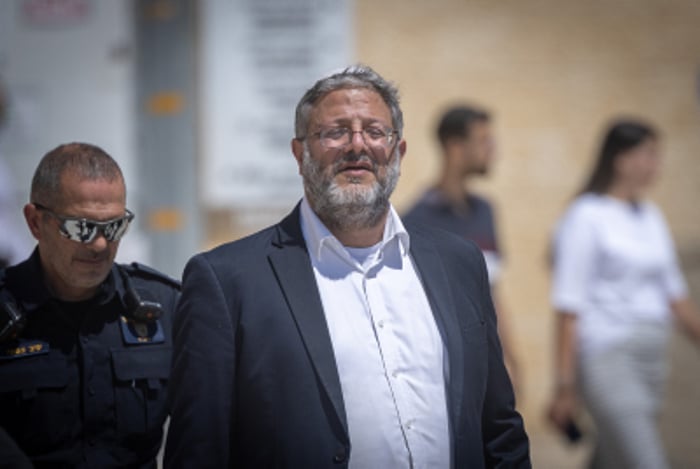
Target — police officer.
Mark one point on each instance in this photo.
(84, 342)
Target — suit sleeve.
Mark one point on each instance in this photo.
(505, 442)
(202, 377)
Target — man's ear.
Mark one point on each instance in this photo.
(453, 146)
(298, 151)
(32, 216)
(402, 148)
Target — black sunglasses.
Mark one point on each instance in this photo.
(84, 230)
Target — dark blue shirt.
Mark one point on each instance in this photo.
(84, 385)
(476, 223)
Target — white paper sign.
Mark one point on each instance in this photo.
(258, 58)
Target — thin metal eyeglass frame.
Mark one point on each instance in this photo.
(391, 134)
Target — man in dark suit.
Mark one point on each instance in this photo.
(339, 338)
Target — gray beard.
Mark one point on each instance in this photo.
(353, 207)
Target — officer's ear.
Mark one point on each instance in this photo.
(33, 217)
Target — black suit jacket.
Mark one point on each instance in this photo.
(254, 381)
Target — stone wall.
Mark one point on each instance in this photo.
(553, 73)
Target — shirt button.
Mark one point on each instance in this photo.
(381, 324)
(84, 340)
(91, 391)
(340, 456)
(91, 442)
(395, 374)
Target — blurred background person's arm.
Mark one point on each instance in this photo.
(507, 342)
(564, 405)
(688, 317)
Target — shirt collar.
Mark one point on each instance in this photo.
(318, 237)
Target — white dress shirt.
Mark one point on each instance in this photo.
(387, 347)
(615, 266)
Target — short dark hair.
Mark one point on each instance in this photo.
(622, 135)
(457, 122)
(87, 161)
(355, 76)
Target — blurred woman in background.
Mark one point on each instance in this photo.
(616, 287)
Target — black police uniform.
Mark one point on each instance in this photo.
(84, 383)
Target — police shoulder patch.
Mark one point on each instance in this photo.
(22, 348)
(140, 332)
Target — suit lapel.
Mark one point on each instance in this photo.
(292, 265)
(290, 261)
(437, 289)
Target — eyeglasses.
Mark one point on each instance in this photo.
(84, 230)
(334, 138)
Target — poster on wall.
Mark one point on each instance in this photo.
(257, 59)
(55, 13)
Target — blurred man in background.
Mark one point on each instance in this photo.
(466, 139)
